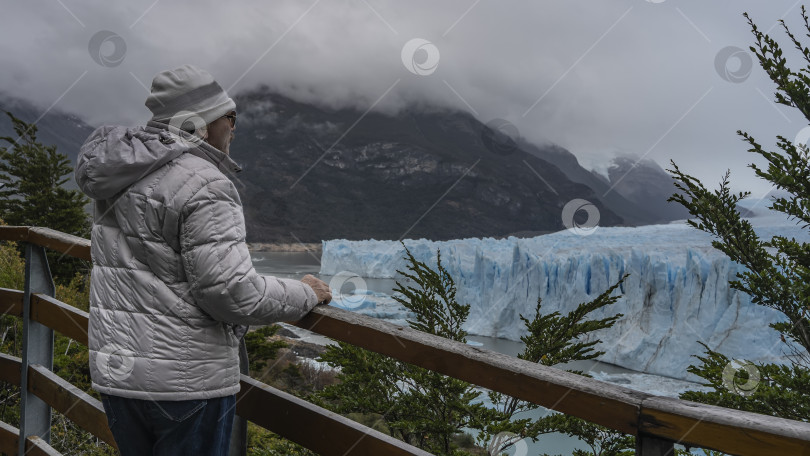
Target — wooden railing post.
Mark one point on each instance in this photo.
(647, 445)
(37, 347)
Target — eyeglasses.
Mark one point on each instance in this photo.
(232, 118)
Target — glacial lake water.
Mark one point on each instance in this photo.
(297, 264)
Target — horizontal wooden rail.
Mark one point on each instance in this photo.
(49, 311)
(9, 438)
(727, 430)
(57, 315)
(78, 406)
(292, 418)
(34, 446)
(10, 369)
(602, 403)
(11, 302)
(618, 408)
(68, 244)
(313, 427)
(613, 406)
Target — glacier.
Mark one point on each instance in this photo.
(677, 294)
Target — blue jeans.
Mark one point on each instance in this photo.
(196, 427)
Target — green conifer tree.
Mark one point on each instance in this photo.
(424, 408)
(777, 271)
(32, 192)
(430, 410)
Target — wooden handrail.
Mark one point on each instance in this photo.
(727, 430)
(34, 446)
(9, 438)
(78, 406)
(57, 315)
(11, 302)
(306, 424)
(319, 430)
(295, 419)
(599, 402)
(68, 244)
(615, 407)
(49, 311)
(10, 369)
(61, 395)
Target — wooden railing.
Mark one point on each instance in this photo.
(657, 422)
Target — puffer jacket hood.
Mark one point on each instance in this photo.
(173, 286)
(114, 157)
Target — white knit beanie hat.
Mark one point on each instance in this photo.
(187, 98)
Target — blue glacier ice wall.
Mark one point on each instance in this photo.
(677, 293)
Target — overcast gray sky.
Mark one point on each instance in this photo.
(598, 77)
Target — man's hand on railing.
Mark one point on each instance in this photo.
(320, 288)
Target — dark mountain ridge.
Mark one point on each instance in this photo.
(632, 212)
(309, 175)
(313, 173)
(647, 186)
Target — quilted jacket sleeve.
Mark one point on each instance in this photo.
(218, 266)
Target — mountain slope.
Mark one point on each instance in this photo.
(631, 211)
(647, 186)
(66, 131)
(311, 173)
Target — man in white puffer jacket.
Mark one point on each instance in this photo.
(172, 286)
